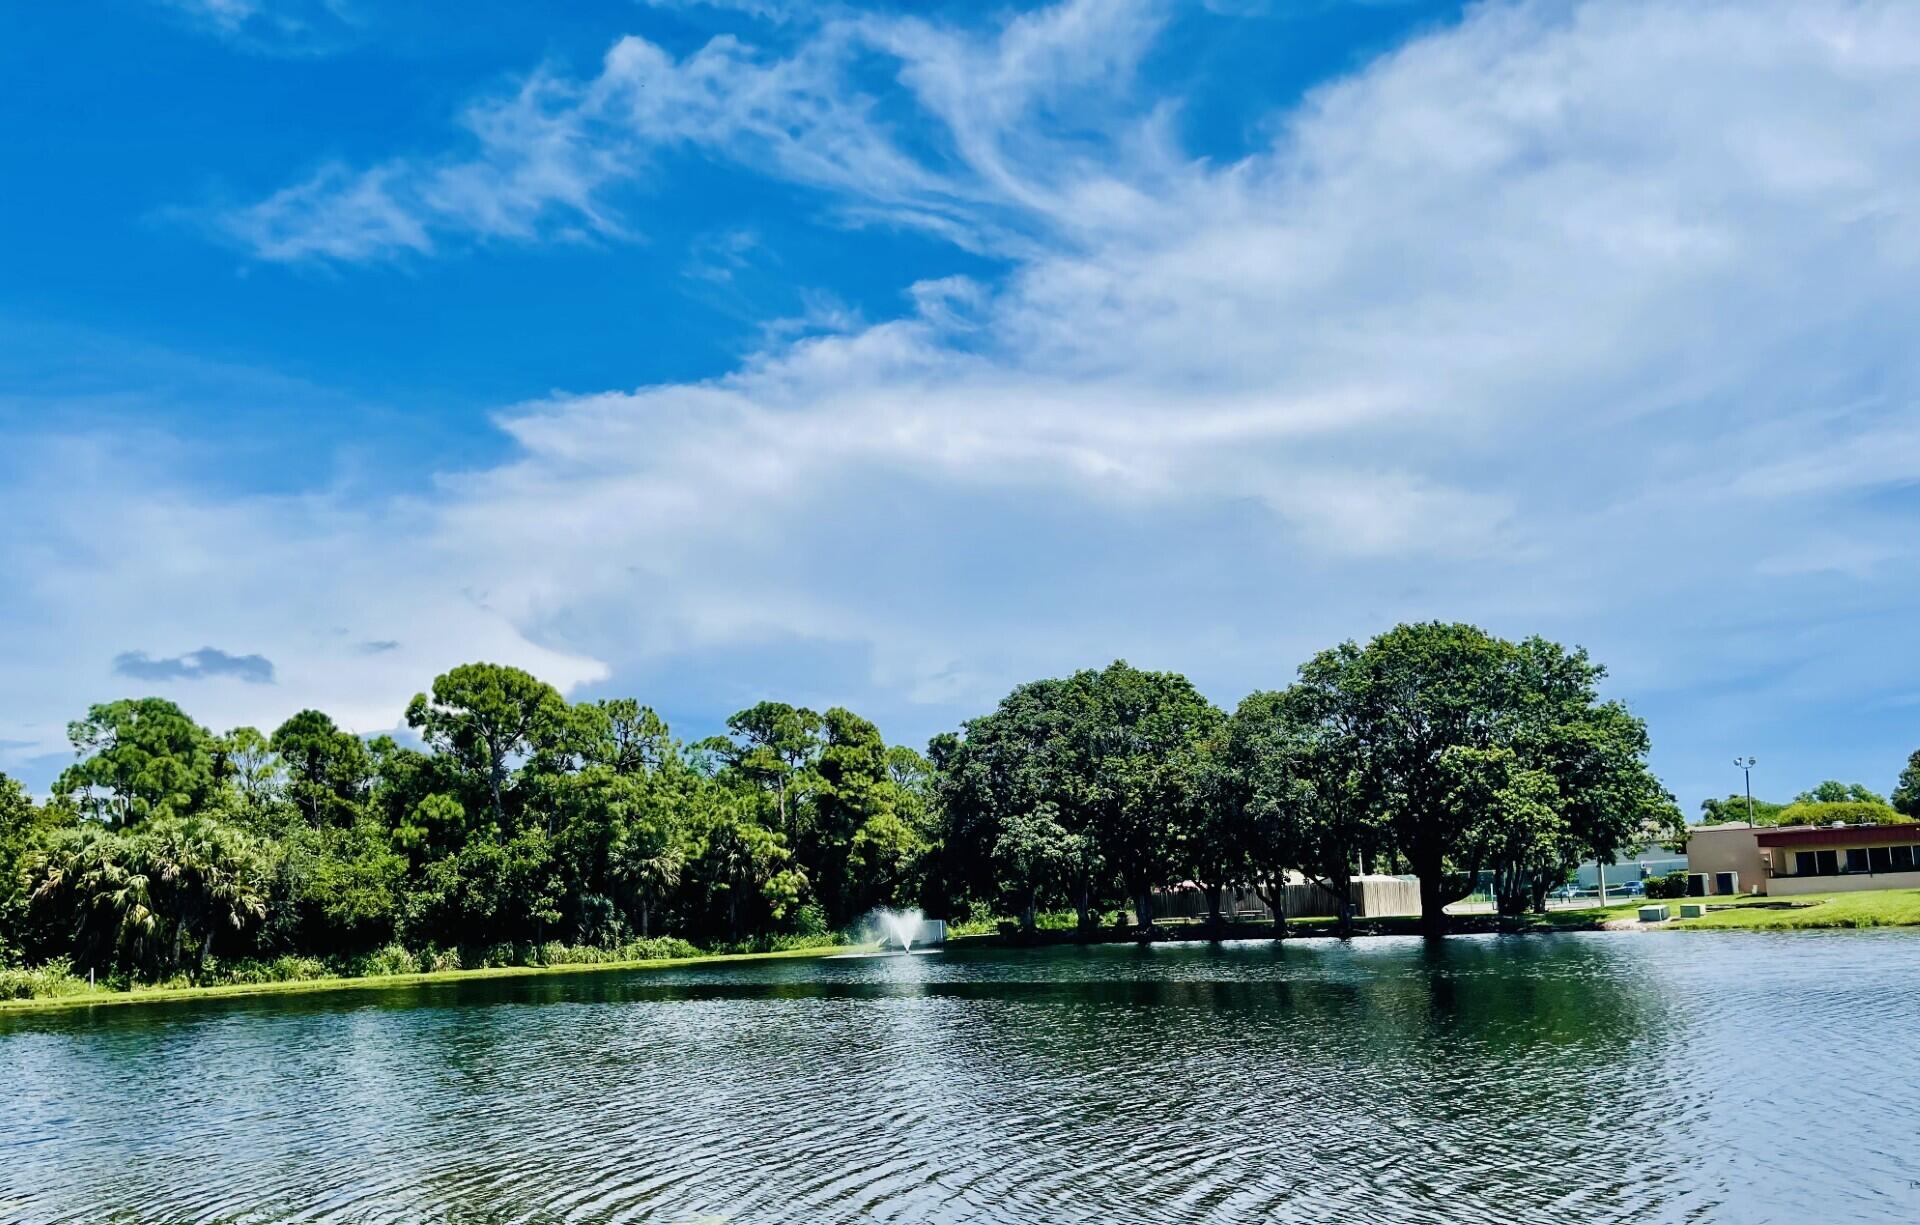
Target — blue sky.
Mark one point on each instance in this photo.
(889, 356)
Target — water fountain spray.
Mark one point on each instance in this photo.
(903, 925)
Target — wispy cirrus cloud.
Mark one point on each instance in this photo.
(539, 161)
(275, 27)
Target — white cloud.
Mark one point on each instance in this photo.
(542, 158)
(279, 27)
(107, 548)
(1592, 320)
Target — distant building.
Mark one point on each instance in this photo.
(1838, 858)
(1652, 862)
(1784, 860)
(1723, 859)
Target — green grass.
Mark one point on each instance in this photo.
(87, 997)
(1868, 908)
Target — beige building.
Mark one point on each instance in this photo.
(1782, 860)
(1724, 859)
(1840, 858)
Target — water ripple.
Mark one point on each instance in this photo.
(1661, 1077)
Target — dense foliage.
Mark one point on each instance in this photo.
(1435, 749)
(1738, 808)
(1828, 803)
(1839, 812)
(525, 826)
(1906, 789)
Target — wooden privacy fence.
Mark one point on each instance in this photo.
(1373, 896)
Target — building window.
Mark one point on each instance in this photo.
(1856, 859)
(1806, 863)
(1902, 858)
(1880, 858)
(1829, 863)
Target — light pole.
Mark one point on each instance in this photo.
(1746, 765)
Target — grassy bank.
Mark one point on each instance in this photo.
(1868, 908)
(88, 997)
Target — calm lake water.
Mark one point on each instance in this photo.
(1595, 1077)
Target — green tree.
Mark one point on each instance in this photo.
(1032, 857)
(1216, 843)
(1606, 799)
(1735, 808)
(855, 800)
(1009, 763)
(484, 716)
(883, 862)
(745, 869)
(627, 738)
(646, 860)
(24, 826)
(1906, 789)
(1519, 832)
(156, 899)
(1419, 696)
(773, 746)
(245, 763)
(623, 844)
(1299, 762)
(1834, 792)
(336, 890)
(1840, 812)
(329, 771)
(139, 758)
(1132, 762)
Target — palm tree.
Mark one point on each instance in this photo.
(147, 899)
(648, 864)
(213, 874)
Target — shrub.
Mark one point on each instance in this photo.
(656, 948)
(1850, 812)
(388, 960)
(1672, 885)
(810, 920)
(55, 978)
(284, 969)
(494, 955)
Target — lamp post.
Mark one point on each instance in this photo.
(1746, 765)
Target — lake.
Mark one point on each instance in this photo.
(1678, 1076)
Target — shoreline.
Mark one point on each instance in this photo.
(1298, 929)
(1865, 910)
(1857, 911)
(366, 982)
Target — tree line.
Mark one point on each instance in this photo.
(1826, 803)
(526, 822)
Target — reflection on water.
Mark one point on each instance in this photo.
(1653, 1077)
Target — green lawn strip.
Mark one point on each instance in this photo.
(1868, 908)
(154, 995)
